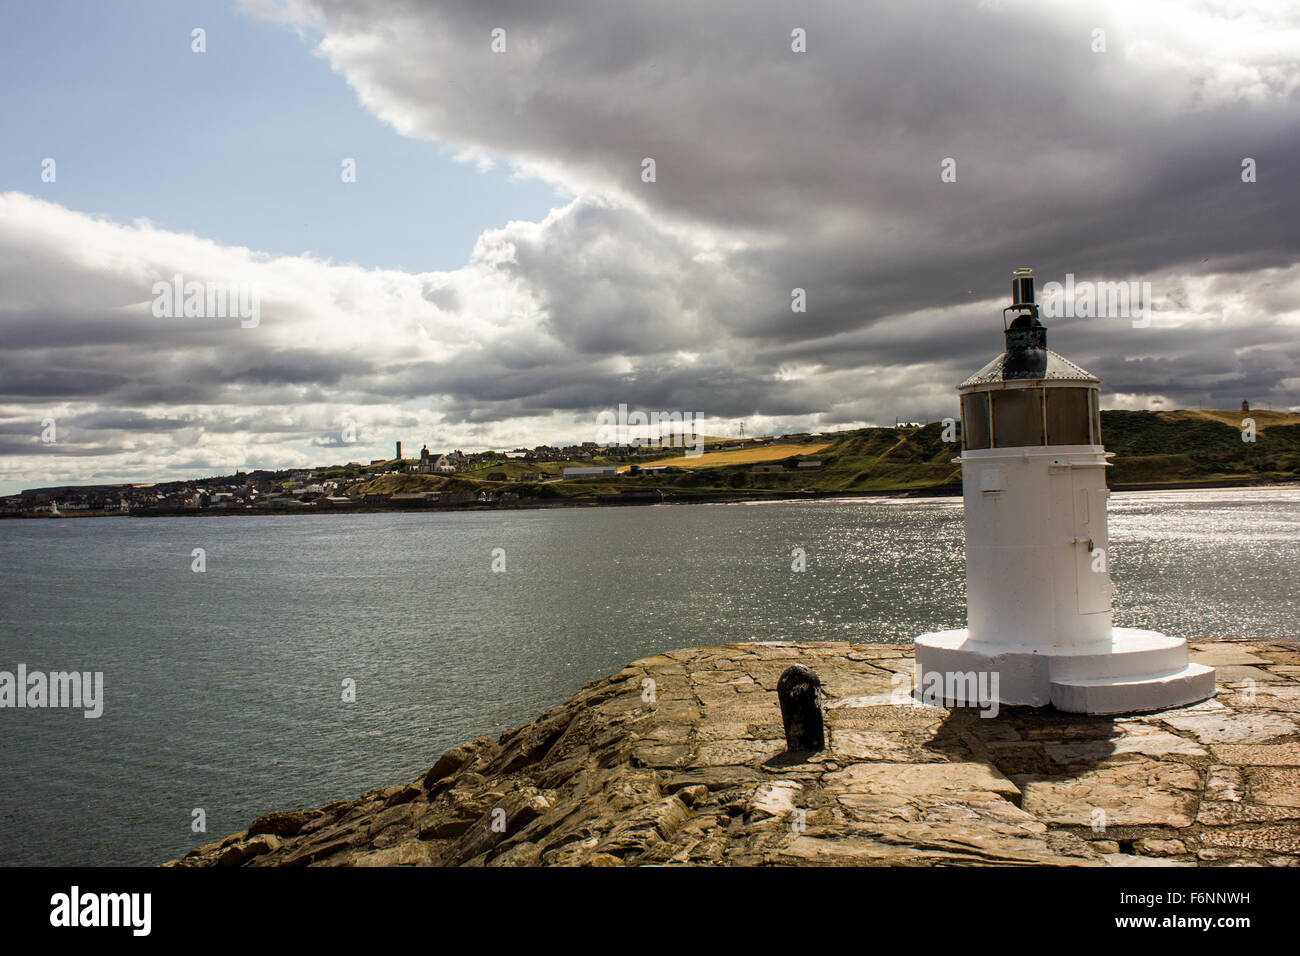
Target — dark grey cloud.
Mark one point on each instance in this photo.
(775, 170)
(1096, 163)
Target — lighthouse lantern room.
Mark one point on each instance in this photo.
(1038, 591)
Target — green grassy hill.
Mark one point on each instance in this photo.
(1194, 445)
(1151, 448)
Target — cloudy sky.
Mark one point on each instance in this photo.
(500, 270)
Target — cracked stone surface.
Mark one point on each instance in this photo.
(699, 775)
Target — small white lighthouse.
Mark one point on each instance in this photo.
(1038, 621)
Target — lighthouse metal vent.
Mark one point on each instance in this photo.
(1026, 355)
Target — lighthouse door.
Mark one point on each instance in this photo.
(1092, 550)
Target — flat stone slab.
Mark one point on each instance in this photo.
(1143, 740)
(1233, 728)
(1227, 653)
(1105, 796)
(933, 782)
(1259, 755)
(697, 774)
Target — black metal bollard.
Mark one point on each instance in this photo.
(800, 693)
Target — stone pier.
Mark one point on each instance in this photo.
(680, 758)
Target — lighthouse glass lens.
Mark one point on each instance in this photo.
(1068, 416)
(1017, 417)
(975, 421)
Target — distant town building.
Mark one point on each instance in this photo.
(425, 464)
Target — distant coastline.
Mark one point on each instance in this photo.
(948, 490)
(1153, 451)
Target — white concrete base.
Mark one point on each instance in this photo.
(1135, 671)
(1119, 695)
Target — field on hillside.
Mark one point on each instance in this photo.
(1173, 448)
(741, 456)
(1198, 445)
(1263, 417)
